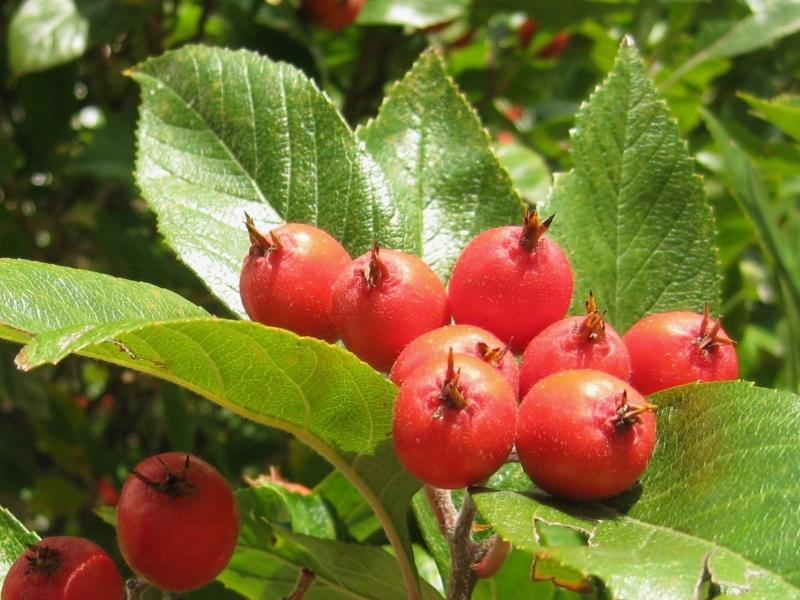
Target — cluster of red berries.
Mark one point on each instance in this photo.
(177, 526)
(573, 407)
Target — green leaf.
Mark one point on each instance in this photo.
(438, 160)
(782, 111)
(320, 393)
(46, 33)
(223, 132)
(269, 556)
(353, 512)
(528, 170)
(719, 501)
(632, 215)
(413, 13)
(71, 308)
(308, 515)
(14, 538)
(552, 14)
(769, 22)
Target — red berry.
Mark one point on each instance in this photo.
(385, 300)
(575, 343)
(463, 339)
(63, 568)
(287, 278)
(556, 46)
(333, 14)
(512, 281)
(673, 348)
(584, 434)
(454, 421)
(177, 522)
(526, 32)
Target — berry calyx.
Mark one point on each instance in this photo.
(287, 277)
(383, 301)
(512, 281)
(63, 568)
(463, 339)
(177, 522)
(332, 14)
(584, 434)
(586, 342)
(454, 421)
(674, 348)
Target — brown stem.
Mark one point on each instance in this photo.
(463, 553)
(533, 229)
(304, 584)
(710, 338)
(258, 241)
(134, 588)
(442, 504)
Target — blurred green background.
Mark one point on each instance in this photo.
(69, 434)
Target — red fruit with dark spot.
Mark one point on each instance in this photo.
(575, 343)
(673, 348)
(454, 421)
(177, 522)
(63, 568)
(333, 14)
(512, 281)
(287, 277)
(584, 434)
(462, 339)
(385, 300)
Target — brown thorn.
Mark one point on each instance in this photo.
(451, 392)
(533, 229)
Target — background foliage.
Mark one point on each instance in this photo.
(69, 433)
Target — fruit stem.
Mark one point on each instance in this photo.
(451, 392)
(443, 508)
(711, 338)
(533, 229)
(628, 414)
(375, 270)
(134, 588)
(304, 584)
(463, 553)
(259, 244)
(593, 327)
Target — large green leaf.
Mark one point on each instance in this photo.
(223, 132)
(414, 13)
(720, 501)
(46, 33)
(271, 551)
(632, 215)
(438, 160)
(769, 22)
(13, 540)
(320, 393)
(782, 111)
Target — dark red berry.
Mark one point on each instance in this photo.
(63, 568)
(385, 300)
(177, 522)
(333, 14)
(512, 281)
(462, 339)
(575, 343)
(584, 434)
(287, 277)
(556, 46)
(526, 32)
(454, 421)
(673, 348)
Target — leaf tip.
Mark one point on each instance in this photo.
(627, 42)
(22, 362)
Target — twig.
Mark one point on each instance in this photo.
(304, 583)
(134, 588)
(463, 553)
(442, 504)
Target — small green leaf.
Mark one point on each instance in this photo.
(528, 170)
(782, 111)
(349, 505)
(322, 394)
(632, 215)
(269, 556)
(46, 33)
(223, 132)
(412, 13)
(769, 22)
(719, 501)
(438, 160)
(14, 538)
